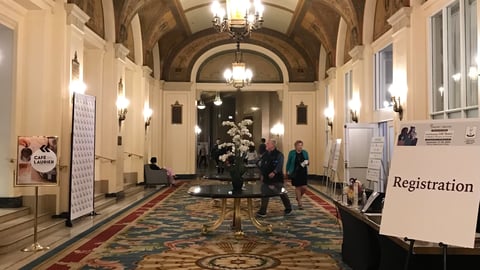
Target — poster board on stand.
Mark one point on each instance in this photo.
(433, 188)
(36, 161)
(328, 154)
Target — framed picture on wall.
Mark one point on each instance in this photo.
(177, 113)
(301, 114)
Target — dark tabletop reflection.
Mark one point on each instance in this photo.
(252, 190)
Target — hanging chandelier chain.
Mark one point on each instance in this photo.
(238, 54)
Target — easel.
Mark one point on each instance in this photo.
(333, 163)
(327, 161)
(411, 252)
(376, 167)
(35, 246)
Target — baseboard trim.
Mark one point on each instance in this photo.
(119, 195)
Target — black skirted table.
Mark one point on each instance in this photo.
(364, 248)
(224, 192)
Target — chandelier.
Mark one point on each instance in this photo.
(240, 19)
(239, 75)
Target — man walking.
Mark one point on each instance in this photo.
(271, 167)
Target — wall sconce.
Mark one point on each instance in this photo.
(278, 129)
(354, 105)
(76, 84)
(122, 104)
(198, 130)
(329, 112)
(397, 105)
(147, 116)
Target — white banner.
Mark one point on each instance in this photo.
(433, 186)
(82, 181)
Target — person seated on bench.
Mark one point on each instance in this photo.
(170, 174)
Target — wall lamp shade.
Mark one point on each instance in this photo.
(147, 116)
(329, 112)
(122, 105)
(278, 129)
(240, 19)
(77, 86)
(198, 130)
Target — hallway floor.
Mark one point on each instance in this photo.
(18, 258)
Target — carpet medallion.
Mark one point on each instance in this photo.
(164, 232)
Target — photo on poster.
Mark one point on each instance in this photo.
(407, 136)
(37, 161)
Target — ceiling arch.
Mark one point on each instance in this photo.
(294, 29)
(269, 59)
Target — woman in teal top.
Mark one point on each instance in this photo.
(297, 163)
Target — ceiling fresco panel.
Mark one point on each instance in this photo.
(197, 20)
(293, 29)
(264, 69)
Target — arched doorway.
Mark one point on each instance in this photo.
(264, 108)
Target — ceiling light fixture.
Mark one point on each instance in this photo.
(240, 19)
(239, 76)
(201, 105)
(217, 101)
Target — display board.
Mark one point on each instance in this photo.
(82, 179)
(357, 140)
(434, 182)
(375, 157)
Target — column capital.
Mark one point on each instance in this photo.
(76, 16)
(147, 71)
(121, 51)
(332, 73)
(357, 53)
(401, 19)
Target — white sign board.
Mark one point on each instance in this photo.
(433, 187)
(336, 154)
(327, 154)
(375, 159)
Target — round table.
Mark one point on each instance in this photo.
(224, 192)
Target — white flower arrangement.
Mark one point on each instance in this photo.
(240, 139)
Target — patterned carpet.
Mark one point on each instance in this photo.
(164, 232)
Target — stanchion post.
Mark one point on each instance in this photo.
(444, 248)
(410, 252)
(35, 246)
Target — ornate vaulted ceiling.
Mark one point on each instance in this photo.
(295, 30)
